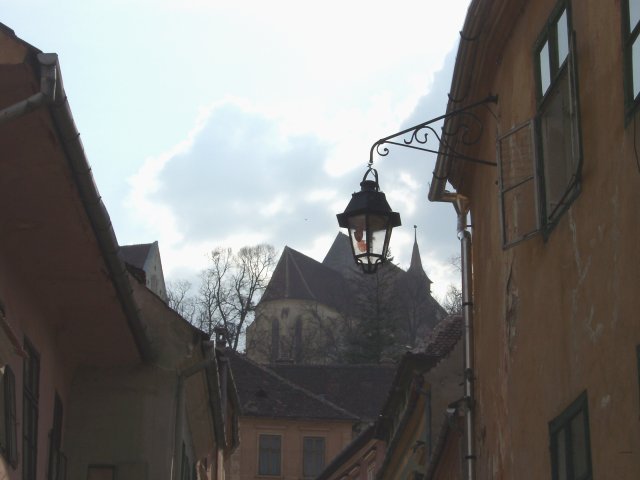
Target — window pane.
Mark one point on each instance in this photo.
(4, 414)
(545, 71)
(313, 456)
(269, 455)
(559, 145)
(638, 355)
(634, 14)
(563, 38)
(10, 415)
(579, 446)
(635, 65)
(561, 449)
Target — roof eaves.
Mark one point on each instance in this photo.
(408, 363)
(437, 189)
(356, 444)
(96, 211)
(441, 441)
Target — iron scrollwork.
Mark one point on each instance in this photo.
(466, 131)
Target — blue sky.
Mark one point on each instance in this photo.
(230, 123)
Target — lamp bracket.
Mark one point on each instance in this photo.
(468, 131)
(374, 172)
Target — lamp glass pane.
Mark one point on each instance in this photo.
(377, 241)
(358, 233)
(368, 234)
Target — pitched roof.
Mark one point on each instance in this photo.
(263, 393)
(440, 342)
(340, 257)
(62, 200)
(135, 255)
(297, 276)
(444, 336)
(360, 389)
(365, 438)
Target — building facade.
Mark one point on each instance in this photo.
(554, 226)
(100, 379)
(287, 431)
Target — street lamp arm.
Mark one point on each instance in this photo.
(419, 134)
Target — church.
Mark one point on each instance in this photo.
(329, 312)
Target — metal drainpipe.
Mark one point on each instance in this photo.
(48, 81)
(177, 425)
(467, 307)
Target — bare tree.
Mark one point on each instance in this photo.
(179, 299)
(229, 290)
(452, 301)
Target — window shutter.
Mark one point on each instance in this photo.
(517, 183)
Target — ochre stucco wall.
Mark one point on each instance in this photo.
(572, 299)
(244, 462)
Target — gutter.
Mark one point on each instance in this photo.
(445, 430)
(439, 193)
(211, 365)
(347, 452)
(48, 82)
(437, 189)
(53, 96)
(467, 306)
(207, 364)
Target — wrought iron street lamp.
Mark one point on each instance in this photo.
(368, 216)
(369, 219)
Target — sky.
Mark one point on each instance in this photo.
(214, 123)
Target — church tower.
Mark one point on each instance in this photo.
(415, 267)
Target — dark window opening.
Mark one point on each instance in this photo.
(8, 435)
(57, 461)
(570, 444)
(269, 454)
(540, 161)
(313, 456)
(31, 392)
(558, 153)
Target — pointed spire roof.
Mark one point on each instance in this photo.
(415, 268)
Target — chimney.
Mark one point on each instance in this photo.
(221, 337)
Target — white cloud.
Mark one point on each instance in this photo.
(278, 168)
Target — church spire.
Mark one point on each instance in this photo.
(415, 267)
